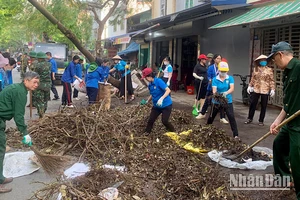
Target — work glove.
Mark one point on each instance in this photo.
(201, 78)
(160, 102)
(127, 66)
(250, 89)
(27, 140)
(168, 83)
(272, 93)
(80, 80)
(224, 94)
(143, 102)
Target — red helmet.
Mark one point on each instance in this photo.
(202, 56)
(146, 72)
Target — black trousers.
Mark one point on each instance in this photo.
(230, 114)
(264, 103)
(155, 112)
(75, 93)
(66, 95)
(129, 85)
(92, 94)
(208, 102)
(53, 89)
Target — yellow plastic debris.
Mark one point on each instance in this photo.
(186, 145)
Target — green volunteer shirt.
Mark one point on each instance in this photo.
(13, 100)
(291, 92)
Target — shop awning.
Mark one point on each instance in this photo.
(262, 14)
(133, 47)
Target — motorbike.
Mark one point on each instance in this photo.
(245, 95)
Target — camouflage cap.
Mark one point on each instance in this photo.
(41, 55)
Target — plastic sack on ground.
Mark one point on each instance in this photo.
(257, 165)
(186, 145)
(18, 164)
(79, 86)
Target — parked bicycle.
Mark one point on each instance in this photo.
(245, 95)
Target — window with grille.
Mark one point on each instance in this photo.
(287, 33)
(189, 4)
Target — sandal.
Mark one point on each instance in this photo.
(260, 124)
(122, 97)
(249, 121)
(132, 98)
(3, 189)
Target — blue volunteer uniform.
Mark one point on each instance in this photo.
(53, 65)
(67, 79)
(157, 89)
(223, 86)
(120, 66)
(69, 73)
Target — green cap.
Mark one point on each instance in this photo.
(41, 55)
(210, 55)
(93, 67)
(280, 46)
(32, 54)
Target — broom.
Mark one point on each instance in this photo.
(52, 164)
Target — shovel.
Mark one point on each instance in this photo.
(234, 157)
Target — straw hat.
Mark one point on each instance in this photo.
(117, 57)
(261, 57)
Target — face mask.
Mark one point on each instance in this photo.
(263, 63)
(223, 73)
(166, 62)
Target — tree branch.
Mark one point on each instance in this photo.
(111, 11)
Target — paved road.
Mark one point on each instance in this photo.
(24, 187)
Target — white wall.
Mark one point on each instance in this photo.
(180, 4)
(233, 43)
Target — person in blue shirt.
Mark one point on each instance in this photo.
(120, 67)
(9, 67)
(224, 85)
(78, 73)
(168, 70)
(3, 75)
(53, 72)
(93, 77)
(161, 99)
(67, 80)
(212, 72)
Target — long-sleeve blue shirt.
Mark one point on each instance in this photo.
(69, 73)
(212, 72)
(53, 65)
(92, 78)
(120, 66)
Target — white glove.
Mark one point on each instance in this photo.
(160, 102)
(250, 89)
(80, 80)
(27, 140)
(272, 93)
(224, 94)
(201, 78)
(168, 83)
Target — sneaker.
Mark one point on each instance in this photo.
(200, 116)
(224, 121)
(237, 138)
(260, 124)
(86, 96)
(77, 98)
(248, 121)
(70, 106)
(55, 98)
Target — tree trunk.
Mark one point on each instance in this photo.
(68, 33)
(98, 46)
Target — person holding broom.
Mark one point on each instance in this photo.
(161, 99)
(201, 82)
(13, 100)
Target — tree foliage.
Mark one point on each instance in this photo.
(27, 24)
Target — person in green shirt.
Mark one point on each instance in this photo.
(13, 100)
(286, 145)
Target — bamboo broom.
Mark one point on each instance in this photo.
(52, 164)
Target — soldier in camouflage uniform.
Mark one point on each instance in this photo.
(41, 95)
(32, 55)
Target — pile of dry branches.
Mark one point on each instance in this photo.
(156, 167)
